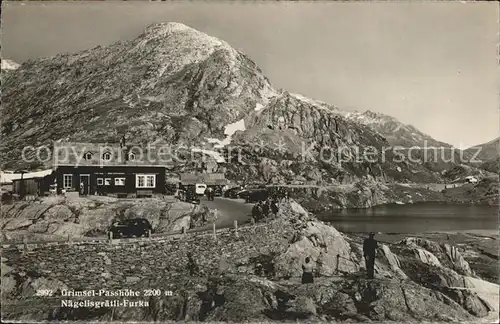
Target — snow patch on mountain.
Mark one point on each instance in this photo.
(229, 131)
(368, 117)
(309, 100)
(9, 65)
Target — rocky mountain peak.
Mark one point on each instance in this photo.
(373, 114)
(169, 27)
(171, 83)
(396, 132)
(176, 45)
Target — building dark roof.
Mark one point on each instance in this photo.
(94, 154)
(6, 178)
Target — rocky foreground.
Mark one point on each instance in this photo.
(55, 218)
(253, 275)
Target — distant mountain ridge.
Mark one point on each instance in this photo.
(397, 133)
(487, 151)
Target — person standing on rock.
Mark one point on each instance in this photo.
(369, 250)
(192, 266)
(257, 211)
(307, 271)
(265, 208)
(274, 208)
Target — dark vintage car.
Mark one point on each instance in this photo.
(135, 227)
(187, 195)
(218, 191)
(254, 195)
(232, 193)
(170, 189)
(191, 197)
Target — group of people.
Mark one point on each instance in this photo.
(210, 193)
(369, 252)
(263, 209)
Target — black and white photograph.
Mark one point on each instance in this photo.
(249, 161)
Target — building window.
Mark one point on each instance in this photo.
(100, 181)
(87, 156)
(106, 156)
(131, 157)
(145, 180)
(107, 182)
(119, 181)
(67, 181)
(150, 181)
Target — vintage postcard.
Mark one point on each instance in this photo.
(249, 161)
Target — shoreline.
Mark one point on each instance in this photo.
(480, 233)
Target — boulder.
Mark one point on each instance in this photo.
(8, 285)
(32, 285)
(341, 306)
(443, 254)
(303, 307)
(132, 280)
(5, 268)
(470, 301)
(487, 291)
(459, 264)
(393, 262)
(179, 223)
(435, 277)
(427, 257)
(58, 212)
(383, 300)
(297, 209)
(17, 224)
(324, 245)
(429, 245)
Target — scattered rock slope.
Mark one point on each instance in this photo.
(255, 276)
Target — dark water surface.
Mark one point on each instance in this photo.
(414, 218)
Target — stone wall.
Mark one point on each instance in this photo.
(118, 266)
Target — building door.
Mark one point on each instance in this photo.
(84, 184)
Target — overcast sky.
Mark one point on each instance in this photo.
(432, 65)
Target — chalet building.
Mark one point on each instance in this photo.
(117, 169)
(31, 183)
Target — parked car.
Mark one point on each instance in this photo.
(218, 191)
(232, 193)
(135, 227)
(170, 189)
(179, 194)
(191, 197)
(200, 188)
